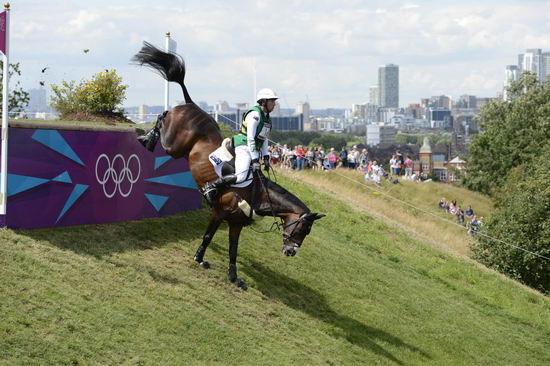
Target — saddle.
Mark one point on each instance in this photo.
(223, 161)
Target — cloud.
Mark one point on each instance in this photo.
(327, 50)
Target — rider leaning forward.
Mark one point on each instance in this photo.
(250, 144)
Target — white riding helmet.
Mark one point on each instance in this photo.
(266, 94)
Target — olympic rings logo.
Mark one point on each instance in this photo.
(117, 177)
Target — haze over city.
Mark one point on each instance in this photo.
(326, 53)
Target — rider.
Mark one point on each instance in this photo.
(250, 144)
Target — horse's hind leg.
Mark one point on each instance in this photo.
(213, 225)
(234, 233)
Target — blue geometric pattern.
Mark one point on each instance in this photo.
(75, 194)
(161, 160)
(20, 183)
(56, 142)
(63, 178)
(184, 180)
(156, 201)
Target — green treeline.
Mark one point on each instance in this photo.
(510, 160)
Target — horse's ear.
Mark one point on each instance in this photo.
(312, 216)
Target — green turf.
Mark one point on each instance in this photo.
(357, 293)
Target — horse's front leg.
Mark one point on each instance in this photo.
(213, 225)
(234, 233)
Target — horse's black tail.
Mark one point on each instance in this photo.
(169, 65)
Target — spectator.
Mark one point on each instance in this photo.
(408, 168)
(469, 212)
(393, 165)
(332, 158)
(300, 157)
(377, 172)
(320, 158)
(344, 157)
(459, 215)
(275, 154)
(369, 174)
(474, 225)
(363, 158)
(352, 158)
(400, 162)
(292, 158)
(310, 157)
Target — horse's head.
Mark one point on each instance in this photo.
(296, 227)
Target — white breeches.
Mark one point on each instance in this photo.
(242, 162)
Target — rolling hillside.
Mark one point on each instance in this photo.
(359, 292)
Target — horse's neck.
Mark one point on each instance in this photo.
(279, 202)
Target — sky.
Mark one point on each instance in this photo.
(324, 52)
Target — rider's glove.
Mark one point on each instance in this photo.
(267, 163)
(255, 165)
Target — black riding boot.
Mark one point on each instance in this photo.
(150, 139)
(210, 190)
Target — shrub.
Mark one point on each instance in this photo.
(521, 218)
(18, 99)
(103, 94)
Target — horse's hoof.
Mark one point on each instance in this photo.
(241, 284)
(204, 265)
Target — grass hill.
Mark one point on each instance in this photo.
(409, 206)
(359, 292)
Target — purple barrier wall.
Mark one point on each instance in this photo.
(68, 177)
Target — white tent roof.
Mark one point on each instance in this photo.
(457, 160)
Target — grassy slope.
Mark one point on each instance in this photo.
(351, 186)
(359, 292)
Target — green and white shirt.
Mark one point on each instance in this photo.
(254, 132)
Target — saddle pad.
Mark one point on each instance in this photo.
(219, 157)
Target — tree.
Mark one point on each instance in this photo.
(330, 140)
(513, 133)
(521, 218)
(103, 94)
(18, 98)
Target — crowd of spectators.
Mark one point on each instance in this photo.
(454, 209)
(317, 158)
(300, 157)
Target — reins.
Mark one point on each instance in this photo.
(275, 226)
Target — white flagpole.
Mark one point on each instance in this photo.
(167, 84)
(5, 94)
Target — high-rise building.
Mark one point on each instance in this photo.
(37, 100)
(512, 74)
(374, 95)
(388, 86)
(380, 134)
(441, 101)
(531, 61)
(304, 109)
(545, 65)
(467, 101)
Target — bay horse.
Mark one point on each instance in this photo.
(189, 132)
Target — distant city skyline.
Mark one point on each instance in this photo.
(325, 53)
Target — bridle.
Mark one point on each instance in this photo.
(288, 237)
(276, 226)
